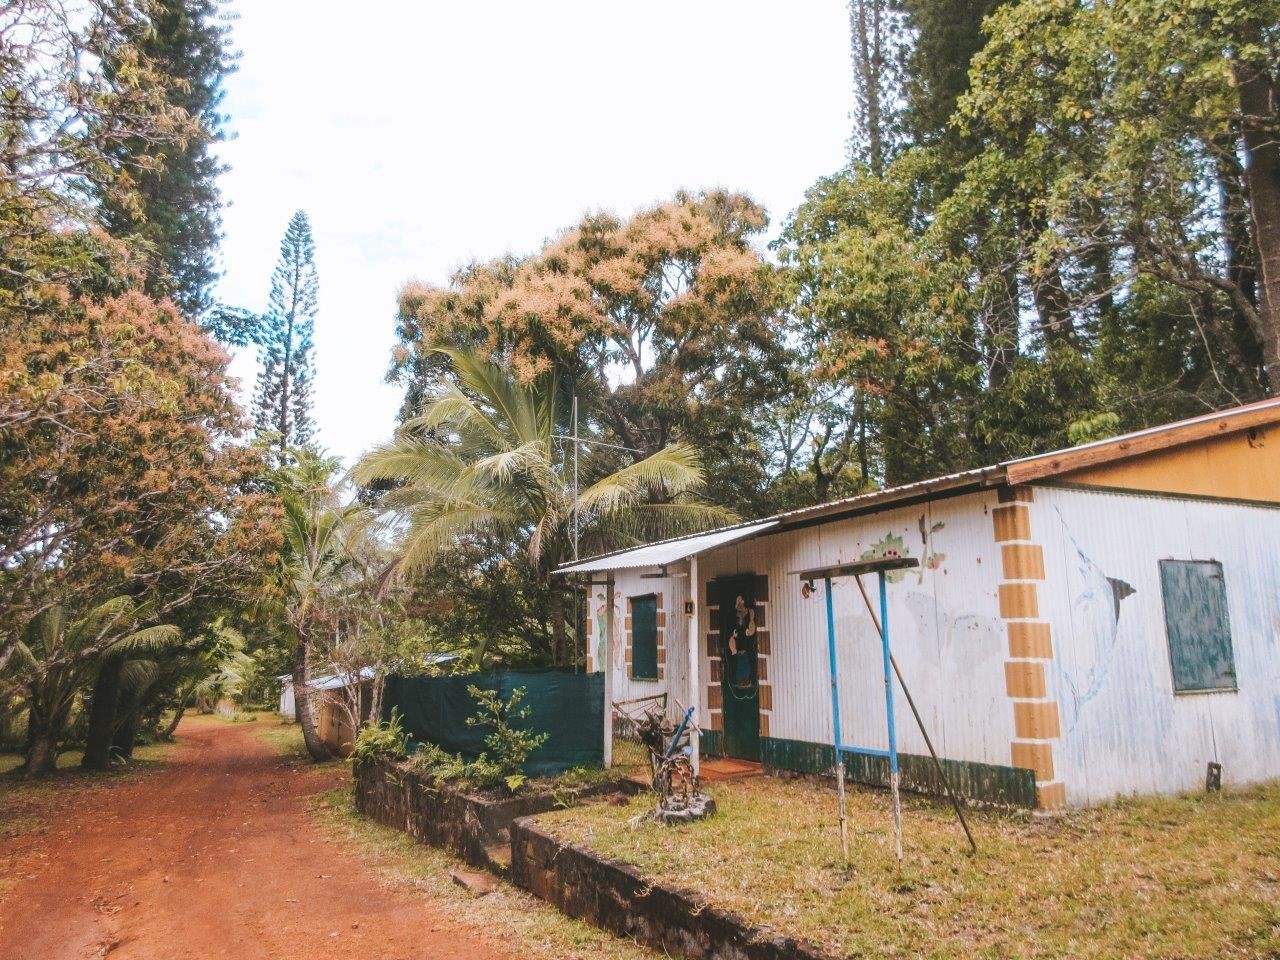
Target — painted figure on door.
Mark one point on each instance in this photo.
(742, 645)
(602, 631)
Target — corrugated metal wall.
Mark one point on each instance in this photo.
(1123, 729)
(675, 678)
(944, 627)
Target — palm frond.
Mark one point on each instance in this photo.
(147, 640)
(529, 459)
(117, 613)
(433, 533)
(673, 471)
(497, 388)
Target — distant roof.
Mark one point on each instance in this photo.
(1023, 470)
(335, 681)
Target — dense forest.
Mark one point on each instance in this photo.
(1058, 221)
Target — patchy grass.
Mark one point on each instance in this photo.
(508, 917)
(285, 737)
(26, 805)
(1193, 876)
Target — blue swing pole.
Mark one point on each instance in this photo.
(894, 777)
(855, 570)
(836, 740)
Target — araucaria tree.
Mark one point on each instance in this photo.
(175, 205)
(282, 403)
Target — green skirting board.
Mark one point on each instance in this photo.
(711, 743)
(980, 782)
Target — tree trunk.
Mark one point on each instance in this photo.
(1054, 308)
(42, 753)
(126, 736)
(45, 722)
(556, 602)
(179, 709)
(1260, 105)
(102, 715)
(317, 748)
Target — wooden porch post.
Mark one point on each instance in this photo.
(695, 662)
(609, 641)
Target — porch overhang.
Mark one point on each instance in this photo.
(667, 551)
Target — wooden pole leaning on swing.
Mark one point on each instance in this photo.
(946, 781)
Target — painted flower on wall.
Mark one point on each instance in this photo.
(889, 547)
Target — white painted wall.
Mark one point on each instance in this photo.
(943, 622)
(1124, 730)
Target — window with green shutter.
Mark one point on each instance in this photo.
(1197, 626)
(644, 637)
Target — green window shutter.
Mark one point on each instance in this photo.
(644, 638)
(1196, 623)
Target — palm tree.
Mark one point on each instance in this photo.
(481, 460)
(323, 552)
(55, 655)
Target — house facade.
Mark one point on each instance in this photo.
(1090, 623)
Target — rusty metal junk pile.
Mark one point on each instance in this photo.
(673, 777)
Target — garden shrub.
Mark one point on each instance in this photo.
(508, 748)
(386, 740)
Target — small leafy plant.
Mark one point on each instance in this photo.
(508, 748)
(437, 764)
(386, 740)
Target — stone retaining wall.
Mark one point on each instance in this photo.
(617, 897)
(476, 829)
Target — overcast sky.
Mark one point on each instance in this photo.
(421, 135)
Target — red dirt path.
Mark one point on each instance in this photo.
(213, 856)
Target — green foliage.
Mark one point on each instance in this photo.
(381, 741)
(437, 764)
(508, 747)
(1098, 427)
(481, 464)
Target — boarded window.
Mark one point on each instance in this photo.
(1195, 617)
(644, 637)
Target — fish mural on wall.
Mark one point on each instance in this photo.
(1095, 623)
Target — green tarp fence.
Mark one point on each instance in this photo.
(569, 707)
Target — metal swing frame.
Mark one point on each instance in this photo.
(879, 567)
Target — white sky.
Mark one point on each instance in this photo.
(421, 135)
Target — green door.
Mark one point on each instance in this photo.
(739, 674)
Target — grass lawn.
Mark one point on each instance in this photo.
(1194, 876)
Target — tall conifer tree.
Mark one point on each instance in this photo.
(282, 402)
(176, 206)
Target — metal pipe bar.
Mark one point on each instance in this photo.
(888, 708)
(835, 715)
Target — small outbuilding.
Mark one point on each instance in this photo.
(1090, 623)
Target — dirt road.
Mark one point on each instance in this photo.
(214, 856)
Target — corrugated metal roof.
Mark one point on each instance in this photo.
(668, 551)
(1162, 437)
